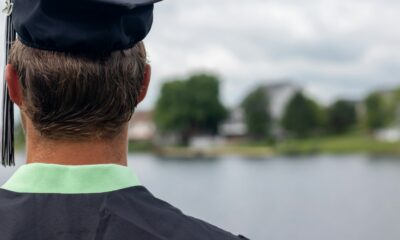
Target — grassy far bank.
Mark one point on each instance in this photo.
(345, 144)
(356, 143)
(186, 152)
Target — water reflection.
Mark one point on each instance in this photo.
(319, 197)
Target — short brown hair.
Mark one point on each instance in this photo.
(70, 96)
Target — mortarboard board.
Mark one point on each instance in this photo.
(76, 26)
(82, 25)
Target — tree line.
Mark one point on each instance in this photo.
(192, 105)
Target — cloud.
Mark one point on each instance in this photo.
(334, 48)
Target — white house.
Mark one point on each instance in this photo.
(235, 125)
(142, 127)
(279, 94)
(391, 134)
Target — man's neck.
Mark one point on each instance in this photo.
(40, 150)
(76, 153)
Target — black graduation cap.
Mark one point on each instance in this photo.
(76, 26)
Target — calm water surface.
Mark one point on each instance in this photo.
(281, 198)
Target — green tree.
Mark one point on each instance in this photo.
(190, 106)
(342, 116)
(395, 106)
(376, 114)
(396, 93)
(257, 115)
(172, 111)
(302, 116)
(392, 106)
(207, 111)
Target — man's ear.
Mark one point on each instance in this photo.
(145, 83)
(13, 86)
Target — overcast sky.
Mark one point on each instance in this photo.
(333, 48)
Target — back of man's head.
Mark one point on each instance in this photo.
(69, 96)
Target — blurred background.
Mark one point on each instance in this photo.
(273, 119)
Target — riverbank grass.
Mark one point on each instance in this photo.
(345, 144)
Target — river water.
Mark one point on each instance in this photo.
(352, 197)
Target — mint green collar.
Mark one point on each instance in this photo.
(52, 178)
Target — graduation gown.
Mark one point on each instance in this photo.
(91, 202)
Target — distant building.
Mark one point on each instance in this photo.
(204, 142)
(142, 127)
(391, 97)
(279, 95)
(390, 134)
(235, 125)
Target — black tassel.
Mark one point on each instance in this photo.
(7, 146)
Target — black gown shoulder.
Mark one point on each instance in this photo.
(130, 213)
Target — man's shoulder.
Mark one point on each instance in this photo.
(140, 211)
(119, 214)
